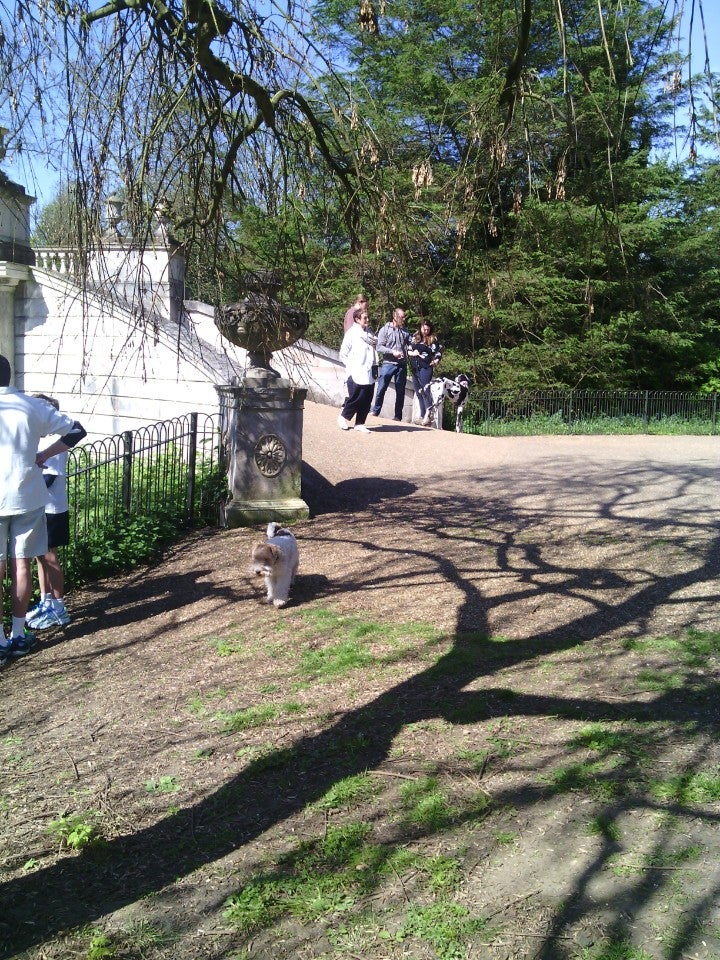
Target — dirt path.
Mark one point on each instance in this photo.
(502, 586)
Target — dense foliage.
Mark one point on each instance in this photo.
(504, 169)
(546, 234)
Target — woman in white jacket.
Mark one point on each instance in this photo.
(357, 352)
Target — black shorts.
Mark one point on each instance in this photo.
(58, 528)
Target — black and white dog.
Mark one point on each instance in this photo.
(456, 391)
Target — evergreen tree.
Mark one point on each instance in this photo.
(512, 194)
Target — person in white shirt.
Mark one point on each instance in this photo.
(357, 352)
(51, 610)
(23, 494)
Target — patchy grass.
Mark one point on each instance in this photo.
(347, 787)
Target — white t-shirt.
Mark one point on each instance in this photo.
(23, 421)
(57, 467)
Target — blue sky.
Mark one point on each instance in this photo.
(43, 182)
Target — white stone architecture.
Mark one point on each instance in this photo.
(123, 349)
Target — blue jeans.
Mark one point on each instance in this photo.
(421, 378)
(398, 373)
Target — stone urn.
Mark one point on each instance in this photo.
(260, 323)
(262, 414)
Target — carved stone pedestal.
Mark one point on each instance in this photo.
(262, 419)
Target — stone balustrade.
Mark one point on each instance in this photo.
(58, 260)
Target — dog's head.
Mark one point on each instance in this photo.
(451, 389)
(263, 558)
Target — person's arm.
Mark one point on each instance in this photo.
(69, 440)
(381, 339)
(345, 346)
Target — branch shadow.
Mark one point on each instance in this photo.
(78, 890)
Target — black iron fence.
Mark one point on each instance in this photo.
(590, 411)
(132, 488)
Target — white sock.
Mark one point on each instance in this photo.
(18, 626)
(57, 604)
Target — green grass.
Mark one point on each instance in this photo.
(226, 647)
(615, 949)
(319, 878)
(602, 826)
(558, 425)
(659, 681)
(327, 878)
(198, 704)
(349, 639)
(693, 648)
(238, 720)
(691, 787)
(444, 873)
(426, 805)
(631, 743)
(164, 784)
(591, 777)
(349, 792)
(135, 940)
(332, 661)
(445, 925)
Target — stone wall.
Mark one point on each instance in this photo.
(102, 364)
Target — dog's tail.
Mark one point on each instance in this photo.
(276, 530)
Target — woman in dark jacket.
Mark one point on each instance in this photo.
(425, 354)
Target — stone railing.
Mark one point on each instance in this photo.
(58, 260)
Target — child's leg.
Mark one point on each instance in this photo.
(50, 574)
(43, 582)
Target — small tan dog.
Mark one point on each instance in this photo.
(277, 561)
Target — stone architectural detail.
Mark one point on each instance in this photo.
(16, 256)
(124, 349)
(262, 413)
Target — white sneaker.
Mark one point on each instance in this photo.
(54, 616)
(362, 428)
(342, 423)
(37, 612)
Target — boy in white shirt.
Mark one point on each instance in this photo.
(50, 611)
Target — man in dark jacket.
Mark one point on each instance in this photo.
(392, 346)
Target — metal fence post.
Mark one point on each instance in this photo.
(192, 459)
(127, 469)
(646, 411)
(714, 413)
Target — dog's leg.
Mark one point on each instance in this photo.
(269, 586)
(282, 588)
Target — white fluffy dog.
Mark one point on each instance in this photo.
(276, 560)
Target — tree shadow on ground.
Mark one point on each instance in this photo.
(80, 889)
(350, 496)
